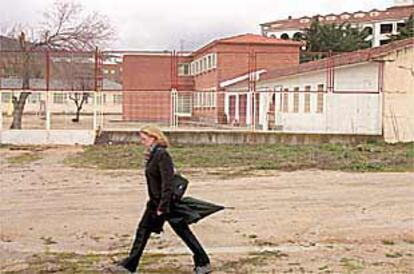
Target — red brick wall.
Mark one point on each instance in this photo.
(233, 61)
(142, 72)
(152, 72)
(147, 106)
(145, 76)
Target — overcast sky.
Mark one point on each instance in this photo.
(162, 24)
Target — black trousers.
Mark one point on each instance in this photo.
(181, 229)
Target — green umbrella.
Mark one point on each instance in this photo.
(192, 210)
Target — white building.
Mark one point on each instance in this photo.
(380, 23)
(367, 92)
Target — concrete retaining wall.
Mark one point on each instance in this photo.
(47, 137)
(237, 137)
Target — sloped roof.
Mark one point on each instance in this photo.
(250, 39)
(348, 58)
(392, 13)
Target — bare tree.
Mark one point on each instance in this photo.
(79, 99)
(64, 27)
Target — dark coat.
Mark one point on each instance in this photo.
(159, 171)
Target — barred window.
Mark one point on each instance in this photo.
(307, 98)
(285, 100)
(319, 107)
(296, 100)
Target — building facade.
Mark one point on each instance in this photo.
(150, 77)
(381, 24)
(369, 92)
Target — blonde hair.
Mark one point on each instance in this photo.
(156, 133)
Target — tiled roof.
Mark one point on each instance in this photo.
(250, 38)
(256, 39)
(339, 60)
(392, 13)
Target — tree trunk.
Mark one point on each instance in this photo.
(18, 105)
(76, 119)
(18, 108)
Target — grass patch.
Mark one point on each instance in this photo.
(393, 255)
(25, 158)
(252, 263)
(351, 265)
(69, 263)
(372, 157)
(387, 242)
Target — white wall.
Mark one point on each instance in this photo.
(354, 78)
(68, 106)
(399, 96)
(47, 137)
(342, 114)
(357, 109)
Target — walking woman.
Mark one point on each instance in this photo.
(161, 207)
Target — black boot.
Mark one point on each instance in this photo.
(141, 238)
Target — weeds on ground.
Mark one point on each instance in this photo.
(370, 157)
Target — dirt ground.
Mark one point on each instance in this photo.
(60, 219)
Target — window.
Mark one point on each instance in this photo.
(386, 28)
(284, 36)
(205, 99)
(359, 15)
(331, 18)
(297, 36)
(214, 60)
(197, 99)
(209, 63)
(204, 64)
(307, 99)
(214, 98)
(101, 99)
(319, 106)
(59, 98)
(33, 98)
(368, 30)
(400, 26)
(385, 41)
(296, 100)
(6, 97)
(117, 99)
(285, 107)
(183, 104)
(183, 69)
(105, 71)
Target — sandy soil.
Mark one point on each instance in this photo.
(282, 222)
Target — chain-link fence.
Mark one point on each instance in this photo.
(226, 90)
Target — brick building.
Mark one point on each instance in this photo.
(199, 77)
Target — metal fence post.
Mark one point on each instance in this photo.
(173, 122)
(48, 104)
(95, 122)
(1, 109)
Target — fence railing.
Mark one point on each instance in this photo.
(279, 111)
